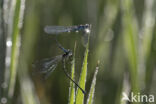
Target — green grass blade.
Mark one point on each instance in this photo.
(130, 42)
(148, 26)
(30, 36)
(72, 85)
(28, 94)
(92, 89)
(82, 81)
(15, 45)
(2, 48)
(147, 42)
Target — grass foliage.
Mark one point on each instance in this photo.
(123, 38)
(82, 82)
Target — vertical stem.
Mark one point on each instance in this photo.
(2, 46)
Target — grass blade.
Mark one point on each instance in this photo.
(92, 89)
(2, 47)
(72, 85)
(130, 42)
(82, 81)
(18, 17)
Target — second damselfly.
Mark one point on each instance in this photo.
(62, 29)
(83, 29)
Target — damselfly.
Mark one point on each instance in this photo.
(48, 65)
(85, 29)
(61, 29)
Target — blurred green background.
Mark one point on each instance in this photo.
(123, 38)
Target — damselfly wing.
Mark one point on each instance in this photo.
(48, 65)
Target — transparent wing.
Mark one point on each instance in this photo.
(58, 29)
(46, 66)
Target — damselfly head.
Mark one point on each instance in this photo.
(87, 28)
(68, 54)
(86, 33)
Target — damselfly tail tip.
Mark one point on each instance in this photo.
(84, 92)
